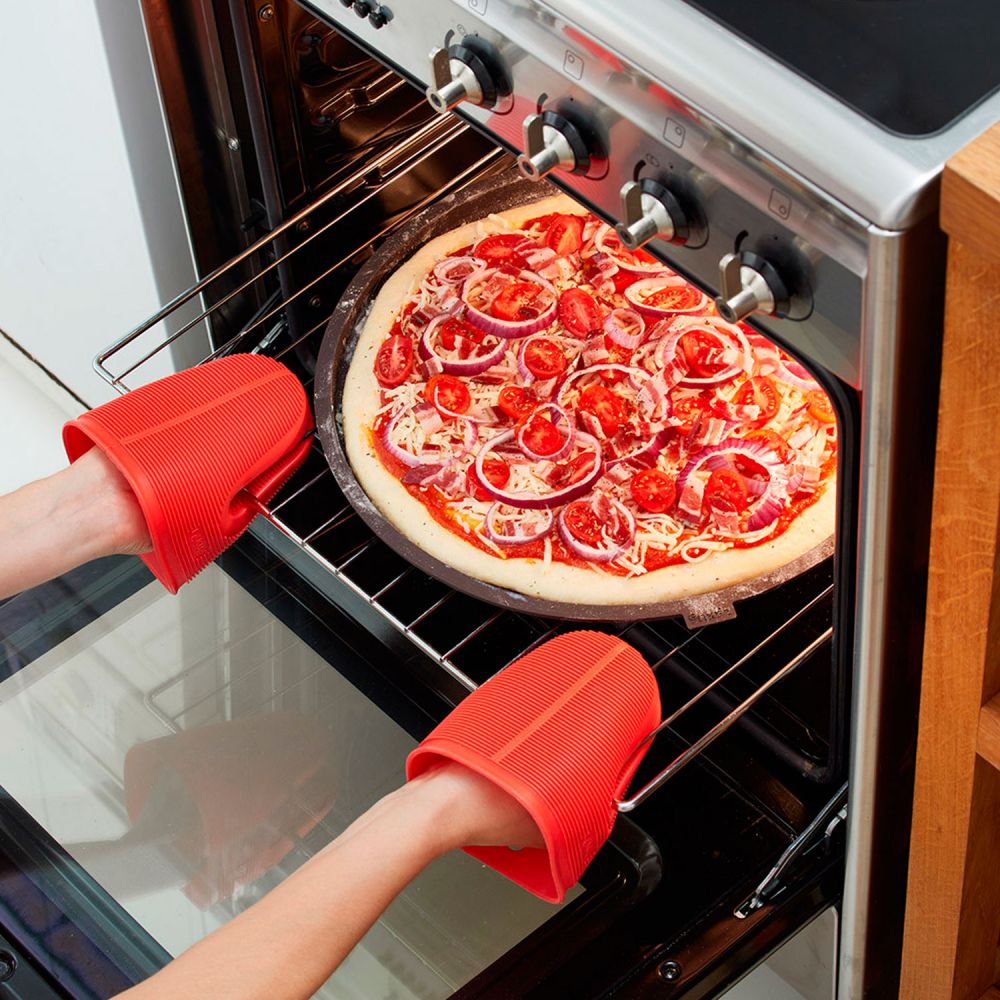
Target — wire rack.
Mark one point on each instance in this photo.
(718, 672)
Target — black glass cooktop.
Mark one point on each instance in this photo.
(912, 66)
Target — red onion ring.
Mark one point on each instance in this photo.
(590, 552)
(519, 538)
(470, 366)
(637, 377)
(771, 501)
(606, 240)
(533, 501)
(635, 290)
(792, 375)
(560, 416)
(666, 349)
(506, 328)
(649, 450)
(523, 246)
(470, 435)
(625, 327)
(714, 457)
(448, 269)
(400, 454)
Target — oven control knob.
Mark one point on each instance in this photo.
(751, 283)
(651, 211)
(363, 7)
(552, 141)
(471, 71)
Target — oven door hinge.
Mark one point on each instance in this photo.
(818, 834)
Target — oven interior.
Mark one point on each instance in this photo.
(344, 151)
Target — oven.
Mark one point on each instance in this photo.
(165, 761)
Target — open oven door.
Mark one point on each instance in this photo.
(165, 761)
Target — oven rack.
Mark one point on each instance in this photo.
(728, 669)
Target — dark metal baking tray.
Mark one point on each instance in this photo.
(477, 201)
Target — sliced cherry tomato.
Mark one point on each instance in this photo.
(579, 312)
(605, 405)
(544, 358)
(673, 297)
(582, 523)
(542, 436)
(700, 350)
(448, 393)
(819, 406)
(727, 489)
(772, 439)
(689, 409)
(653, 490)
(518, 301)
(516, 402)
(623, 279)
(502, 248)
(453, 330)
(565, 234)
(497, 473)
(394, 360)
(762, 391)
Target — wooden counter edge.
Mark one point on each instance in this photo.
(953, 895)
(970, 194)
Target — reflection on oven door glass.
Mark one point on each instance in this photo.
(191, 752)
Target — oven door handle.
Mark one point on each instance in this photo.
(832, 815)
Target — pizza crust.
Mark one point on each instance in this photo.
(556, 582)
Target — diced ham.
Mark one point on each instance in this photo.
(428, 417)
(420, 473)
(690, 499)
(619, 473)
(591, 424)
(595, 352)
(801, 437)
(544, 390)
(727, 520)
(712, 430)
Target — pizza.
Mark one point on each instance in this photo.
(543, 410)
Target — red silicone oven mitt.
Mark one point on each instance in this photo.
(558, 730)
(197, 448)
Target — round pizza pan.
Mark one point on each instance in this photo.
(485, 197)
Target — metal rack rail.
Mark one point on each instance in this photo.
(467, 639)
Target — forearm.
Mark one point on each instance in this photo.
(288, 944)
(57, 523)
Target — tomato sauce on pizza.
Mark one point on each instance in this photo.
(548, 395)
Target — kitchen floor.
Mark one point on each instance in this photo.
(33, 408)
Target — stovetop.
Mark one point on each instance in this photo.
(862, 100)
(911, 66)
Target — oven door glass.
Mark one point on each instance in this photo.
(168, 760)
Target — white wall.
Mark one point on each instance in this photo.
(91, 234)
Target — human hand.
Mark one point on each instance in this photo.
(471, 810)
(95, 482)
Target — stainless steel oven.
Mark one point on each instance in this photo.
(166, 761)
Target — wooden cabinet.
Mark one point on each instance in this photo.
(953, 896)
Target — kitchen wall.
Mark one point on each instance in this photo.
(92, 238)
